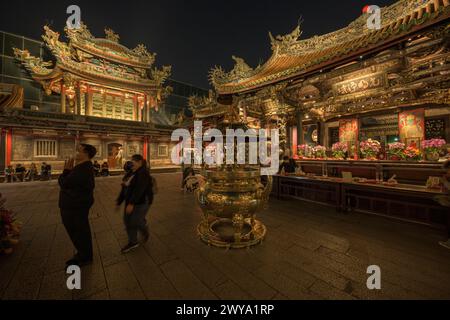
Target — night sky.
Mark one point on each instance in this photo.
(194, 35)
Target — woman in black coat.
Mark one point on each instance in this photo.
(137, 193)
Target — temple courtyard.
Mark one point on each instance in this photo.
(310, 252)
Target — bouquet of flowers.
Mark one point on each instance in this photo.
(319, 152)
(396, 151)
(412, 154)
(339, 150)
(433, 145)
(303, 150)
(432, 148)
(9, 229)
(370, 148)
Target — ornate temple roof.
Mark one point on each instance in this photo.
(100, 60)
(292, 57)
(11, 95)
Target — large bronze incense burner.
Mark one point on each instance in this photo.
(230, 200)
(233, 193)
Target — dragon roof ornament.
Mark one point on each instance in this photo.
(111, 35)
(281, 44)
(33, 64)
(240, 70)
(161, 75)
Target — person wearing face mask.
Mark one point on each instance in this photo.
(137, 193)
(76, 197)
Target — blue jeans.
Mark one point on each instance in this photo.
(136, 221)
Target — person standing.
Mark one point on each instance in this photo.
(96, 168)
(9, 174)
(20, 172)
(137, 193)
(32, 172)
(76, 197)
(44, 168)
(105, 169)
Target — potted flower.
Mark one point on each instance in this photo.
(339, 150)
(370, 149)
(396, 151)
(412, 154)
(303, 150)
(432, 148)
(9, 229)
(319, 152)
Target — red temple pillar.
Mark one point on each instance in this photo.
(145, 149)
(8, 150)
(294, 143)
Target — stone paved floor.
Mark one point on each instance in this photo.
(310, 252)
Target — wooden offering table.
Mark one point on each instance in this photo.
(404, 201)
(406, 172)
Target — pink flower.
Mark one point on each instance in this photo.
(433, 144)
(340, 146)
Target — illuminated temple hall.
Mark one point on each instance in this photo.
(88, 89)
(357, 208)
(356, 109)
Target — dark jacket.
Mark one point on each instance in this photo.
(289, 167)
(77, 187)
(140, 189)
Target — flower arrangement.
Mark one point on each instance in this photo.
(370, 148)
(304, 150)
(9, 229)
(432, 148)
(433, 145)
(396, 151)
(339, 150)
(412, 154)
(319, 151)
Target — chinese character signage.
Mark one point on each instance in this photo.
(360, 84)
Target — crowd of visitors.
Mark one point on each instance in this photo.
(20, 173)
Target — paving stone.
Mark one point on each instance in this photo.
(310, 252)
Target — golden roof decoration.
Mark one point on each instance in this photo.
(141, 51)
(60, 49)
(33, 64)
(111, 35)
(281, 44)
(81, 33)
(97, 60)
(240, 70)
(293, 57)
(161, 75)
